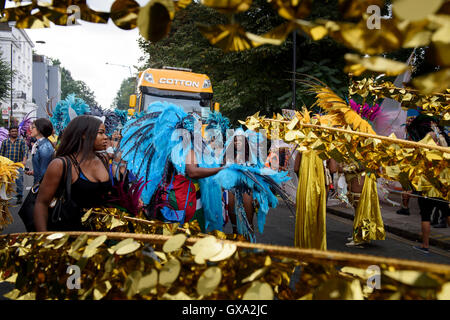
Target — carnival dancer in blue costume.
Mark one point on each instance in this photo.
(216, 129)
(244, 148)
(164, 146)
(159, 147)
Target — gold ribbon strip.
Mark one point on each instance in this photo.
(307, 255)
(368, 135)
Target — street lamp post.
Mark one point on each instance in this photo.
(294, 66)
(11, 87)
(121, 65)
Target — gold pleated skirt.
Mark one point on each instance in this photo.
(310, 227)
(368, 223)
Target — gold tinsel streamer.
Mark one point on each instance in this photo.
(426, 169)
(8, 175)
(437, 104)
(133, 266)
(413, 25)
(113, 219)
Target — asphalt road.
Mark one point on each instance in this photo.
(17, 225)
(280, 230)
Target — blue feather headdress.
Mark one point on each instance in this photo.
(147, 145)
(257, 145)
(112, 119)
(217, 121)
(66, 110)
(122, 117)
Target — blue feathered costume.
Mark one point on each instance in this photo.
(112, 119)
(71, 107)
(166, 134)
(67, 109)
(257, 180)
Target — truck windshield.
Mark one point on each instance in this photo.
(188, 104)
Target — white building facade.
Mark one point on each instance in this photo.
(16, 42)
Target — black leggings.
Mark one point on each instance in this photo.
(426, 206)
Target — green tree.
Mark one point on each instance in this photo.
(241, 81)
(127, 88)
(316, 71)
(5, 78)
(253, 80)
(69, 85)
(85, 93)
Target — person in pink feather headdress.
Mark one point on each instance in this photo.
(355, 180)
(367, 112)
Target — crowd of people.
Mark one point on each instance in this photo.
(223, 179)
(91, 162)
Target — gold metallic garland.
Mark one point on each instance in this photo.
(391, 139)
(412, 25)
(113, 219)
(427, 169)
(9, 171)
(437, 104)
(174, 267)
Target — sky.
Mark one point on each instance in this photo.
(85, 49)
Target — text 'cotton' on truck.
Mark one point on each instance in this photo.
(191, 91)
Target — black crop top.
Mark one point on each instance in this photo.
(87, 194)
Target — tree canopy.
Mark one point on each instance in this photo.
(127, 88)
(5, 78)
(253, 80)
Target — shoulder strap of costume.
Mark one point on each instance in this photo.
(74, 160)
(104, 160)
(63, 176)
